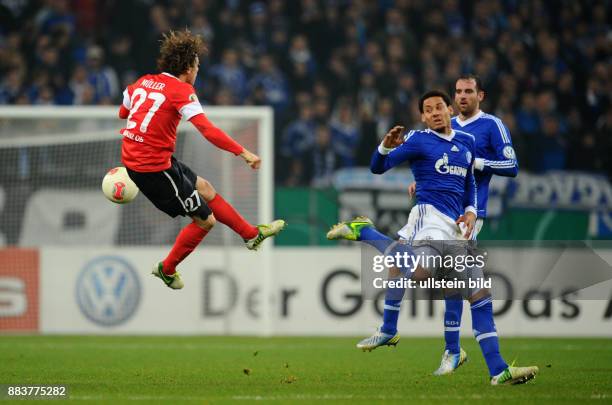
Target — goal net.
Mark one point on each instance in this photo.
(52, 160)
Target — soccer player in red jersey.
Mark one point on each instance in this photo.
(153, 107)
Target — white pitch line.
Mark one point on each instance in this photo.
(174, 346)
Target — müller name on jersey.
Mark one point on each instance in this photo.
(152, 84)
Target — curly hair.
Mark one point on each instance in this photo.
(178, 51)
(434, 93)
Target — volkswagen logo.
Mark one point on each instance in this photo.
(108, 291)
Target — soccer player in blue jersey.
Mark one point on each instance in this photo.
(494, 155)
(442, 161)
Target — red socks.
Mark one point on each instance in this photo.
(191, 235)
(187, 240)
(226, 214)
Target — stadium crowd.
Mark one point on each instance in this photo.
(338, 73)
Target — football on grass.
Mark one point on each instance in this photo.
(118, 187)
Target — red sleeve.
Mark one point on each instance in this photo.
(123, 112)
(185, 100)
(216, 136)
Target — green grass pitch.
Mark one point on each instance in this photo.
(286, 370)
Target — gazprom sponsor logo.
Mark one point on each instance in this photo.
(108, 290)
(443, 167)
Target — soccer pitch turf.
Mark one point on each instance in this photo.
(306, 369)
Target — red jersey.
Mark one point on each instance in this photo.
(156, 104)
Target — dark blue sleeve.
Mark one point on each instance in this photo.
(470, 196)
(407, 151)
(504, 163)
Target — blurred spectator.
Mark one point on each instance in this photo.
(585, 155)
(230, 74)
(10, 86)
(298, 137)
(551, 146)
(345, 133)
(454, 19)
(201, 26)
(101, 77)
(321, 110)
(120, 58)
(321, 160)
(259, 34)
(337, 75)
(269, 78)
(527, 118)
(406, 93)
(81, 88)
(55, 14)
(299, 53)
(367, 95)
(384, 118)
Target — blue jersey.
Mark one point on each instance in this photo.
(442, 168)
(494, 152)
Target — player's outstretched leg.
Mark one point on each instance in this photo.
(264, 231)
(187, 240)
(349, 230)
(253, 235)
(486, 335)
(453, 356)
(362, 229)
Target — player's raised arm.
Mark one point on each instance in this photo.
(393, 151)
(505, 163)
(215, 135)
(186, 102)
(223, 141)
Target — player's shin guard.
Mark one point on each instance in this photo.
(452, 322)
(486, 335)
(187, 240)
(372, 237)
(226, 214)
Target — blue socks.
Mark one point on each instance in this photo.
(372, 237)
(486, 335)
(452, 322)
(393, 301)
(393, 296)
